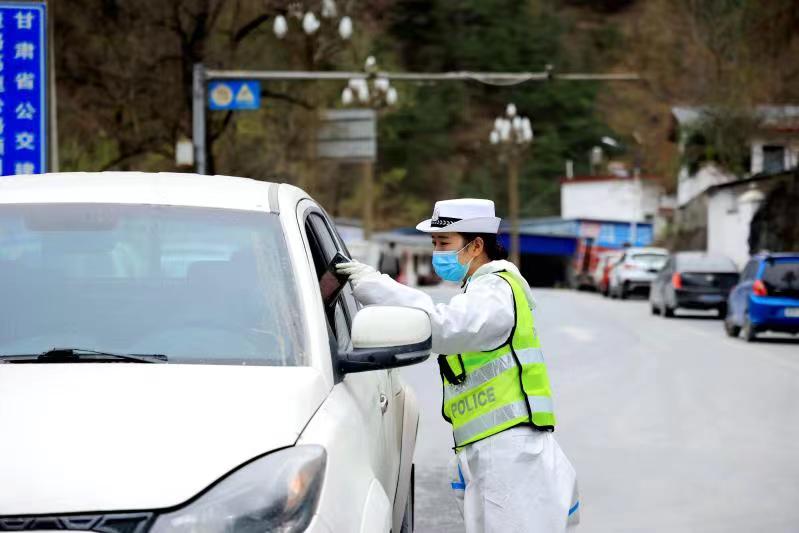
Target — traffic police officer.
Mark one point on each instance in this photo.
(496, 391)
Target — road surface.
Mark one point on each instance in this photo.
(671, 425)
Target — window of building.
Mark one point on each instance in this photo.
(773, 159)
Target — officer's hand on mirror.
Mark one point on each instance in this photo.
(355, 271)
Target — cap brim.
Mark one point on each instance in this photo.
(472, 225)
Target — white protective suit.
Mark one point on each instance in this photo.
(518, 480)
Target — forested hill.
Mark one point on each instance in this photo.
(123, 70)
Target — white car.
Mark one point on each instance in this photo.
(275, 411)
(635, 271)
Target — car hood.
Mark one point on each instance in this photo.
(125, 436)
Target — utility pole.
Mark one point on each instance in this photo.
(199, 81)
(367, 207)
(513, 201)
(374, 92)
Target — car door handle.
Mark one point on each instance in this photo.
(383, 403)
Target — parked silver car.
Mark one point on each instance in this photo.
(636, 270)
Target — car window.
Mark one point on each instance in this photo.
(706, 263)
(649, 260)
(198, 285)
(782, 277)
(324, 245)
(750, 271)
(342, 328)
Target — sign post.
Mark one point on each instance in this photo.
(23, 88)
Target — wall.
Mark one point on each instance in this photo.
(728, 225)
(609, 199)
(690, 186)
(691, 226)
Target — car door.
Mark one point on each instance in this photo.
(392, 398)
(371, 390)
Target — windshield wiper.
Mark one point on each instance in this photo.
(80, 355)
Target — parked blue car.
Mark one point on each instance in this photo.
(766, 298)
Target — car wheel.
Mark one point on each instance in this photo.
(668, 311)
(731, 329)
(748, 330)
(623, 291)
(722, 311)
(655, 310)
(408, 517)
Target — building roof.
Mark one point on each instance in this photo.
(781, 118)
(604, 177)
(757, 178)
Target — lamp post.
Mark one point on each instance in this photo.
(374, 92)
(637, 213)
(311, 36)
(512, 135)
(310, 23)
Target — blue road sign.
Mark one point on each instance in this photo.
(228, 95)
(23, 88)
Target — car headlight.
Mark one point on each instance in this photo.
(278, 492)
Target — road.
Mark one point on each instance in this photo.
(671, 425)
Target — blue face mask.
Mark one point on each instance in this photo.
(448, 267)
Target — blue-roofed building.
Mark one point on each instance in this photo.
(552, 249)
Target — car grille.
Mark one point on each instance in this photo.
(115, 523)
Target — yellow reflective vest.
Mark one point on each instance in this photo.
(488, 392)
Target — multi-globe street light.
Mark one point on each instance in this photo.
(375, 91)
(309, 22)
(512, 135)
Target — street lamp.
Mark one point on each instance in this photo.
(374, 91)
(309, 22)
(512, 135)
(638, 213)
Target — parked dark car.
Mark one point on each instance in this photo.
(767, 298)
(693, 280)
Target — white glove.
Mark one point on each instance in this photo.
(356, 272)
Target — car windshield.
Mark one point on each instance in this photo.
(649, 260)
(705, 263)
(195, 284)
(782, 277)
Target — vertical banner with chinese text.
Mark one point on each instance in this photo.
(23, 88)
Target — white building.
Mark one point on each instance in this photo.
(610, 198)
(714, 207)
(774, 148)
(730, 209)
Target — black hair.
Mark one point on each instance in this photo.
(494, 249)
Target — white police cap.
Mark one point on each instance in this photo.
(463, 215)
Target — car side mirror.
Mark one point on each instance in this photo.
(387, 337)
